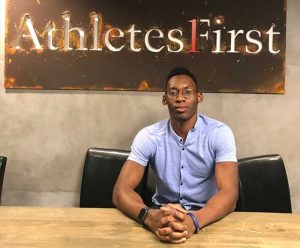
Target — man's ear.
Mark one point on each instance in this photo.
(164, 99)
(200, 96)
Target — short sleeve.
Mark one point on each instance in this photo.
(224, 145)
(143, 147)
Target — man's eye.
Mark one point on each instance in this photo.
(188, 91)
(173, 92)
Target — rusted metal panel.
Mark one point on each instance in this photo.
(231, 45)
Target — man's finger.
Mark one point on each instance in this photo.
(167, 219)
(165, 238)
(168, 211)
(175, 226)
(177, 241)
(177, 207)
(168, 235)
(178, 214)
(178, 235)
(164, 231)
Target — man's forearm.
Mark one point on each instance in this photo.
(128, 201)
(124, 196)
(131, 203)
(217, 207)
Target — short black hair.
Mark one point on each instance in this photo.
(181, 71)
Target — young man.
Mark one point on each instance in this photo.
(194, 159)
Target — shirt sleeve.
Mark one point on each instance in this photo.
(224, 145)
(143, 147)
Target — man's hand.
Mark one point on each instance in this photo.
(182, 218)
(170, 223)
(172, 228)
(153, 219)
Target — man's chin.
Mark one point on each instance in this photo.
(181, 117)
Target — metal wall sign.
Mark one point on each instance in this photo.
(230, 45)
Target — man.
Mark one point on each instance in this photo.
(194, 159)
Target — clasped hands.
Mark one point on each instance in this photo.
(170, 223)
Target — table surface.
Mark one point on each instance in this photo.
(86, 227)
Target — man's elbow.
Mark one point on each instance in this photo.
(233, 203)
(116, 196)
(233, 206)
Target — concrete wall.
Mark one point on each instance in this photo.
(45, 134)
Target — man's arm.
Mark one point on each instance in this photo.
(224, 201)
(124, 196)
(130, 202)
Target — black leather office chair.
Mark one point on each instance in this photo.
(263, 182)
(101, 169)
(2, 171)
(263, 185)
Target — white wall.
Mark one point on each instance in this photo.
(45, 134)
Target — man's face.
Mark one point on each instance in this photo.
(182, 97)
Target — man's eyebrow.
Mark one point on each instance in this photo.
(174, 88)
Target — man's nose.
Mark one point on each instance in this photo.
(180, 96)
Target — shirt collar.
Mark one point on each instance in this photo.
(197, 124)
(176, 136)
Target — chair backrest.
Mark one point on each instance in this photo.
(2, 171)
(151, 186)
(263, 181)
(101, 169)
(263, 185)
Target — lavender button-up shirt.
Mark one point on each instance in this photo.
(184, 171)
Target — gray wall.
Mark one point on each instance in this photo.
(45, 134)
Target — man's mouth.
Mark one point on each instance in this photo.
(181, 109)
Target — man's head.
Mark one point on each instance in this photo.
(181, 71)
(182, 94)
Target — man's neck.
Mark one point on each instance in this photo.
(182, 128)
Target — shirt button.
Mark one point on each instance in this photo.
(181, 183)
(181, 198)
(182, 148)
(182, 167)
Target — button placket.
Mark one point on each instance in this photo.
(181, 174)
